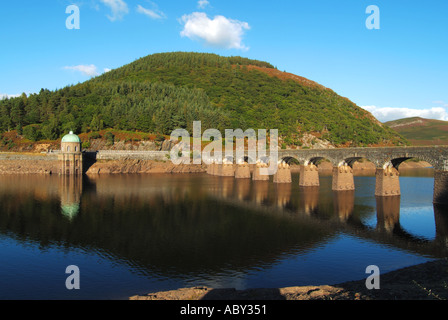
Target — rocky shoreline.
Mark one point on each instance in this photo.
(427, 281)
(142, 167)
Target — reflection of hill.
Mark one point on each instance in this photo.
(173, 225)
(177, 229)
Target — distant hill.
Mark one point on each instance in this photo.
(161, 92)
(420, 132)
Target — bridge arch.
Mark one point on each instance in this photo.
(229, 159)
(396, 162)
(290, 160)
(351, 161)
(264, 159)
(245, 158)
(317, 160)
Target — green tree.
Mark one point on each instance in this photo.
(32, 132)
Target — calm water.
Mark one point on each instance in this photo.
(136, 234)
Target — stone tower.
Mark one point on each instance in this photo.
(70, 157)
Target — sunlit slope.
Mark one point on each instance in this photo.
(420, 132)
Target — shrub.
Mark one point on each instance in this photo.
(94, 135)
(86, 145)
(160, 138)
(110, 138)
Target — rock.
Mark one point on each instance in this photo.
(167, 145)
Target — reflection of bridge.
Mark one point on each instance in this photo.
(278, 199)
(385, 159)
(163, 227)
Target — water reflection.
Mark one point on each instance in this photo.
(344, 204)
(309, 199)
(283, 195)
(242, 189)
(176, 225)
(388, 213)
(70, 190)
(261, 192)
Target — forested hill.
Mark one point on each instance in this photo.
(161, 92)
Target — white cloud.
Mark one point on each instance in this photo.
(389, 114)
(153, 14)
(5, 96)
(217, 32)
(118, 7)
(203, 3)
(88, 70)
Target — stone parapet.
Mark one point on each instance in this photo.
(29, 156)
(132, 155)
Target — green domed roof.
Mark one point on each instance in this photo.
(71, 137)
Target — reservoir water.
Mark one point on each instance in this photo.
(137, 234)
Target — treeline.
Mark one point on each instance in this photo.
(161, 92)
(147, 107)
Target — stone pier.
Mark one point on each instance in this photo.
(283, 174)
(217, 171)
(211, 169)
(226, 170)
(441, 220)
(387, 182)
(242, 171)
(441, 187)
(256, 176)
(309, 176)
(343, 178)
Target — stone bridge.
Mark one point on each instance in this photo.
(386, 160)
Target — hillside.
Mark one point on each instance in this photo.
(421, 132)
(161, 92)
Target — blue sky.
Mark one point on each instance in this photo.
(396, 71)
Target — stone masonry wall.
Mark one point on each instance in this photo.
(22, 163)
